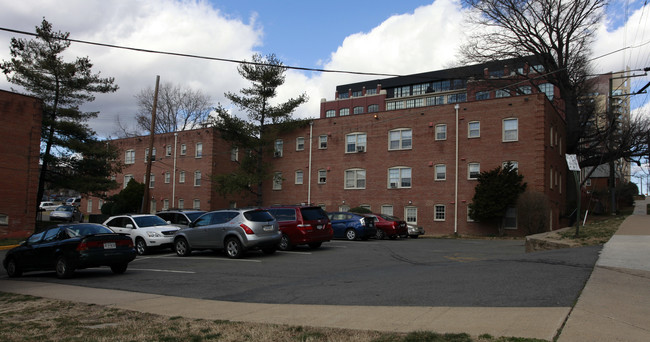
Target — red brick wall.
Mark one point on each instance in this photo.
(20, 132)
(531, 152)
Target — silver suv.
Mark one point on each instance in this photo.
(233, 230)
(146, 231)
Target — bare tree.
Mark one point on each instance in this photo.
(178, 108)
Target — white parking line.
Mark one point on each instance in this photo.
(293, 252)
(221, 259)
(154, 270)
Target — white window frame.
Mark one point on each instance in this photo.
(354, 179)
(414, 215)
(127, 178)
(168, 151)
(358, 145)
(129, 156)
(278, 148)
(511, 134)
(277, 181)
(322, 142)
(181, 177)
(168, 177)
(299, 177)
(330, 113)
(471, 166)
(181, 203)
(197, 178)
(198, 152)
(441, 129)
(165, 204)
(401, 178)
(322, 176)
(437, 173)
(183, 149)
(196, 204)
(477, 129)
(234, 154)
(439, 212)
(387, 209)
(344, 111)
(300, 143)
(402, 142)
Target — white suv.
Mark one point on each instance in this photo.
(146, 231)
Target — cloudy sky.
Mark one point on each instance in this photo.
(388, 37)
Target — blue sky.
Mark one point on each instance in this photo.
(394, 37)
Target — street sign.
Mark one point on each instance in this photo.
(572, 162)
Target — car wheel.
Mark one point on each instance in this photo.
(380, 235)
(181, 247)
(140, 246)
(64, 269)
(234, 249)
(351, 234)
(119, 268)
(269, 250)
(285, 243)
(414, 236)
(315, 245)
(13, 270)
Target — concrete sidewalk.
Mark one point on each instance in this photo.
(614, 305)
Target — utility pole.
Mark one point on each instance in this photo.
(145, 200)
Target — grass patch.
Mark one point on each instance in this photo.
(28, 318)
(595, 232)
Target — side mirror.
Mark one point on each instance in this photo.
(169, 222)
(130, 226)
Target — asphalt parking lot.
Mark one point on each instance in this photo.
(404, 272)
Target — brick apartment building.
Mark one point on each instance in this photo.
(20, 136)
(196, 154)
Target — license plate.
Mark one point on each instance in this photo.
(268, 228)
(109, 245)
(320, 226)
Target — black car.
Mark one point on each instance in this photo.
(66, 247)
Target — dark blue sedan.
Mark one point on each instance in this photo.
(352, 226)
(67, 247)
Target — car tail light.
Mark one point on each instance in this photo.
(305, 226)
(246, 229)
(86, 245)
(127, 243)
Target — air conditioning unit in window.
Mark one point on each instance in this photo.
(393, 185)
(361, 149)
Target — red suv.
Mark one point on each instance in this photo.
(302, 225)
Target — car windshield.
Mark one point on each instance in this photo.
(87, 229)
(313, 214)
(258, 216)
(194, 216)
(149, 221)
(64, 208)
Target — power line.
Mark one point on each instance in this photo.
(202, 57)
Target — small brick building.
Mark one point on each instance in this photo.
(20, 136)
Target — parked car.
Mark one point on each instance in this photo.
(389, 226)
(352, 226)
(146, 231)
(302, 225)
(68, 213)
(76, 201)
(180, 218)
(233, 230)
(49, 206)
(415, 231)
(68, 247)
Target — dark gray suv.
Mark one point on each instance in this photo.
(233, 230)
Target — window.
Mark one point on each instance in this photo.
(152, 180)
(435, 100)
(402, 91)
(181, 203)
(387, 210)
(127, 179)
(168, 177)
(355, 142)
(277, 181)
(357, 110)
(439, 212)
(129, 157)
(515, 165)
(551, 142)
(482, 95)
(183, 149)
(344, 111)
(181, 177)
(300, 143)
(278, 147)
(299, 177)
(510, 220)
(419, 89)
(473, 129)
(441, 172)
(322, 176)
(502, 93)
(441, 132)
(473, 170)
(399, 177)
(373, 108)
(234, 154)
(196, 204)
(199, 150)
(414, 103)
(510, 130)
(355, 179)
(524, 90)
(100, 203)
(165, 204)
(357, 93)
(89, 205)
(345, 95)
(371, 91)
(330, 113)
(400, 139)
(547, 89)
(455, 98)
(322, 142)
(146, 155)
(168, 150)
(411, 215)
(197, 178)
